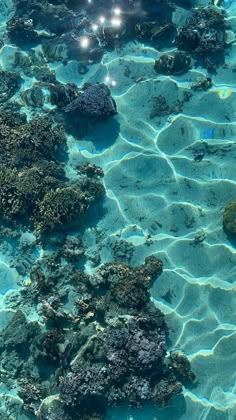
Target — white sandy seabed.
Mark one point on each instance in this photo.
(168, 204)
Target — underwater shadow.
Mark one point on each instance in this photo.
(102, 133)
(231, 237)
(175, 410)
(94, 214)
(54, 239)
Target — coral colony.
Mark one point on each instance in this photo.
(96, 339)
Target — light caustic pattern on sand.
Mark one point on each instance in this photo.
(167, 181)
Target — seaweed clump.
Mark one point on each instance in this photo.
(63, 205)
(155, 32)
(21, 31)
(124, 359)
(106, 347)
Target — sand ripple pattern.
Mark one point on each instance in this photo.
(166, 201)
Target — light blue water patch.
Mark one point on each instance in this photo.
(226, 4)
(37, 252)
(6, 391)
(8, 278)
(6, 12)
(140, 234)
(207, 133)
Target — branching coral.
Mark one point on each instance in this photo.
(32, 142)
(33, 186)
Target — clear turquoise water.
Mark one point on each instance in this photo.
(166, 203)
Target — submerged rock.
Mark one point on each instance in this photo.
(107, 347)
(173, 64)
(21, 31)
(229, 217)
(94, 102)
(181, 366)
(203, 35)
(153, 31)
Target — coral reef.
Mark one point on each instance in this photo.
(62, 95)
(154, 31)
(122, 250)
(203, 36)
(75, 340)
(181, 366)
(202, 83)
(93, 101)
(9, 83)
(33, 185)
(72, 248)
(90, 170)
(21, 191)
(53, 17)
(21, 31)
(107, 347)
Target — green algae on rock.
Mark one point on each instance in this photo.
(229, 217)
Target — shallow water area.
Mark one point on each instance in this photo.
(150, 175)
(168, 176)
(153, 176)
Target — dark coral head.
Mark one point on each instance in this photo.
(229, 217)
